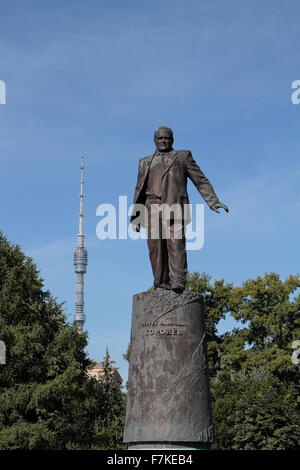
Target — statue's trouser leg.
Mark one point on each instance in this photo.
(176, 252)
(158, 250)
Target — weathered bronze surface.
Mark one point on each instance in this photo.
(162, 180)
(168, 386)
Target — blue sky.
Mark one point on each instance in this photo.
(96, 78)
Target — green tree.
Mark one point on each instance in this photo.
(254, 384)
(269, 307)
(253, 412)
(47, 401)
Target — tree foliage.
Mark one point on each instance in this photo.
(254, 384)
(47, 400)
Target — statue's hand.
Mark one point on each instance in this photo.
(219, 205)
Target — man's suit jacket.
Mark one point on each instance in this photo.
(179, 166)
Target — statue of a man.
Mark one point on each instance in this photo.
(162, 185)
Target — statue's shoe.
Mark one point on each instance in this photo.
(163, 286)
(177, 288)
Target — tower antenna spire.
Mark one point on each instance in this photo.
(80, 262)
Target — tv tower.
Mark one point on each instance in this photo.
(80, 263)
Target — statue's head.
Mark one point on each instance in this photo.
(163, 139)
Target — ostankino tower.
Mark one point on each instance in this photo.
(80, 263)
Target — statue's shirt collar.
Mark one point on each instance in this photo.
(157, 153)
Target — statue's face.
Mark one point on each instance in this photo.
(163, 140)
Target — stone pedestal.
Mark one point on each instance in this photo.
(169, 404)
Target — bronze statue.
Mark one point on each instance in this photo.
(162, 182)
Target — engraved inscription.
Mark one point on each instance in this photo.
(163, 328)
